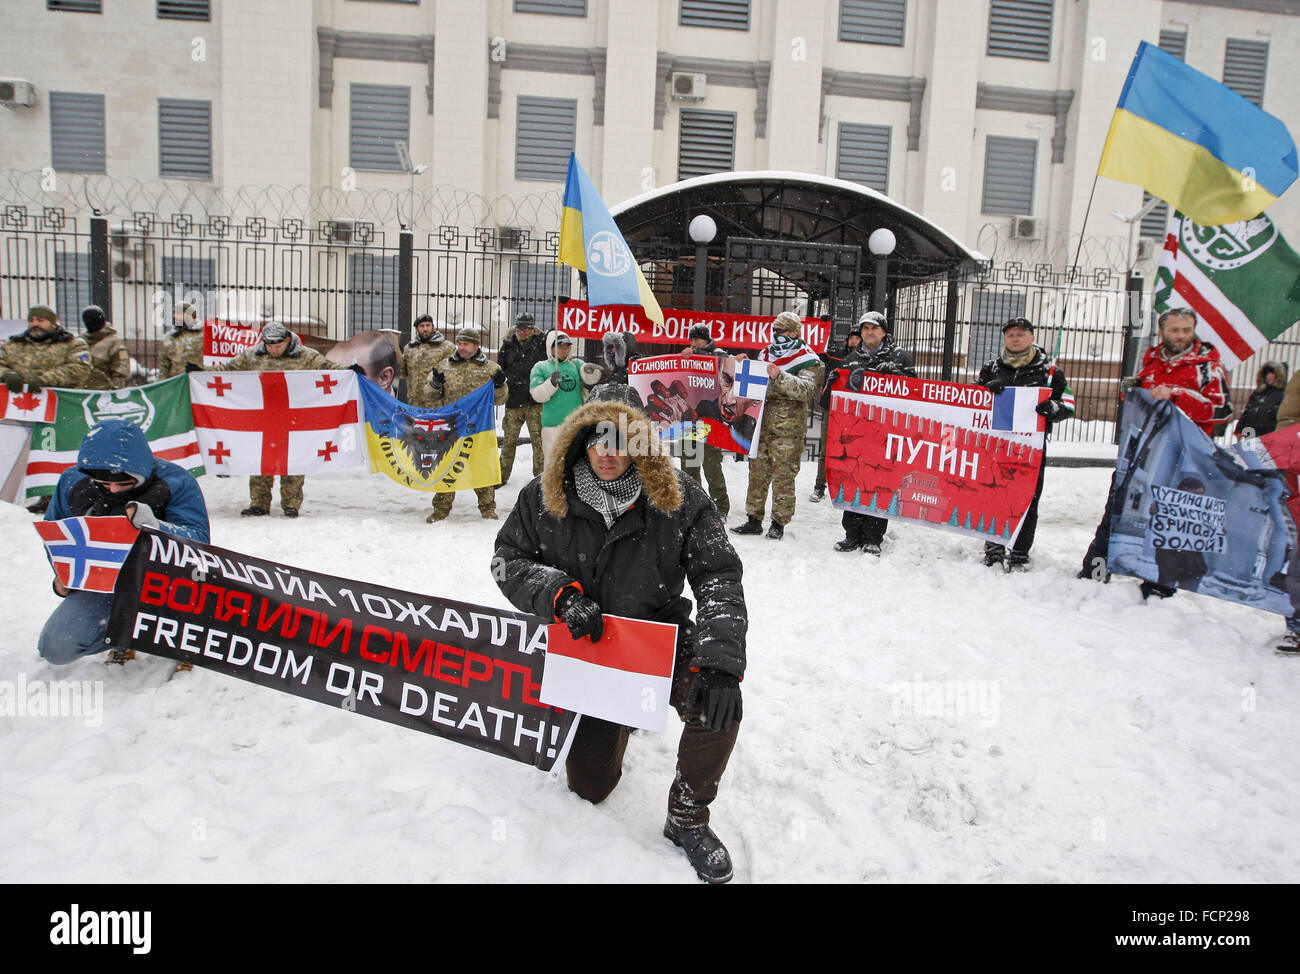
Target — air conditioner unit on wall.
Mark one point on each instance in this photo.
(512, 238)
(1026, 228)
(338, 231)
(17, 93)
(688, 87)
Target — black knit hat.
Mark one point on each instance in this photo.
(699, 330)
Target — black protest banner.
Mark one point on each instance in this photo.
(460, 671)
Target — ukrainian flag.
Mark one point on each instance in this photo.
(1196, 144)
(591, 241)
(440, 450)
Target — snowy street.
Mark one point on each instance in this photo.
(912, 718)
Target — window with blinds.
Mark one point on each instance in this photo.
(546, 132)
(1021, 29)
(873, 21)
(75, 6)
(1245, 64)
(77, 131)
(990, 310)
(1174, 42)
(558, 8)
(71, 285)
(1155, 223)
(719, 14)
(1009, 175)
(379, 117)
(862, 155)
(184, 10)
(372, 292)
(706, 142)
(184, 138)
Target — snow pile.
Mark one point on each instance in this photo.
(910, 718)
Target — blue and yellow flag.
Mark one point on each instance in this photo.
(591, 241)
(1195, 143)
(442, 450)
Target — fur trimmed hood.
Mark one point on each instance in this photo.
(652, 463)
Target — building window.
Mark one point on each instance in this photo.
(372, 292)
(546, 132)
(873, 21)
(184, 138)
(559, 8)
(1009, 175)
(862, 155)
(380, 115)
(532, 288)
(77, 131)
(990, 310)
(706, 142)
(720, 14)
(1021, 29)
(1174, 42)
(1245, 63)
(71, 285)
(1156, 223)
(184, 10)
(184, 274)
(75, 6)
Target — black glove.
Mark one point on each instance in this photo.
(14, 381)
(1048, 408)
(831, 376)
(555, 378)
(499, 379)
(436, 380)
(581, 615)
(356, 368)
(34, 387)
(995, 384)
(155, 496)
(717, 696)
(191, 367)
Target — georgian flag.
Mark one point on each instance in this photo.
(626, 678)
(264, 423)
(28, 406)
(87, 552)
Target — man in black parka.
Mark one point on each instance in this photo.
(611, 527)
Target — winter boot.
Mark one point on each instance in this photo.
(994, 554)
(1017, 561)
(848, 544)
(706, 853)
(254, 512)
(291, 512)
(818, 493)
(40, 507)
(434, 516)
(871, 548)
(119, 656)
(1149, 589)
(1290, 644)
(184, 667)
(751, 526)
(776, 531)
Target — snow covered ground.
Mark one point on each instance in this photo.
(912, 718)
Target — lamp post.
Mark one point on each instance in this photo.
(881, 243)
(408, 166)
(702, 230)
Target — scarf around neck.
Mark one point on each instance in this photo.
(1018, 360)
(608, 498)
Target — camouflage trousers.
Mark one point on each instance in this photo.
(259, 492)
(511, 424)
(710, 464)
(487, 502)
(775, 466)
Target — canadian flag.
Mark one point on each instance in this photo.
(626, 677)
(28, 406)
(87, 552)
(277, 422)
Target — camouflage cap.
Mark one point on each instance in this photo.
(42, 311)
(470, 335)
(787, 320)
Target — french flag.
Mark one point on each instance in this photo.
(87, 552)
(626, 677)
(1014, 409)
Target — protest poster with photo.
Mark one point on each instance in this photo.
(1194, 515)
(464, 672)
(702, 399)
(949, 455)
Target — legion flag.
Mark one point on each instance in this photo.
(1196, 143)
(87, 552)
(450, 448)
(27, 406)
(1242, 280)
(160, 409)
(265, 423)
(626, 678)
(591, 241)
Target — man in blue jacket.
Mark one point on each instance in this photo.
(116, 474)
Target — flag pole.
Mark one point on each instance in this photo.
(1069, 288)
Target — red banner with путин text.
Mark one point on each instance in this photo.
(578, 319)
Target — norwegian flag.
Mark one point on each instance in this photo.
(87, 552)
(277, 422)
(28, 406)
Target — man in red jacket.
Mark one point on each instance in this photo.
(1187, 371)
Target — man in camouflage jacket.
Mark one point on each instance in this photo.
(110, 362)
(184, 343)
(46, 354)
(519, 353)
(419, 357)
(454, 378)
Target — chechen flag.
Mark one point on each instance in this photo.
(87, 552)
(626, 677)
(277, 422)
(28, 406)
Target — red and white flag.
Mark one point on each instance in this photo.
(277, 422)
(87, 552)
(28, 406)
(627, 677)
